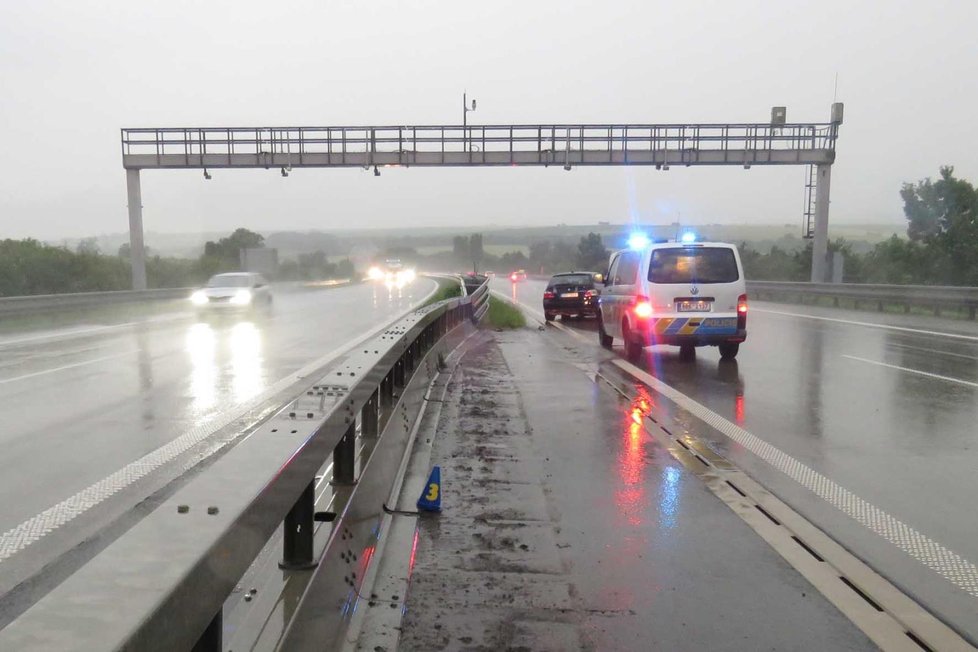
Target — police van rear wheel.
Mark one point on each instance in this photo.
(633, 348)
(687, 352)
(605, 339)
(728, 350)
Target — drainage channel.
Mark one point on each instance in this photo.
(888, 616)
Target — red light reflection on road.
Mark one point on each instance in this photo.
(631, 499)
(414, 553)
(365, 558)
(739, 410)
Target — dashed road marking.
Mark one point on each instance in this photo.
(903, 329)
(927, 374)
(937, 351)
(71, 334)
(66, 367)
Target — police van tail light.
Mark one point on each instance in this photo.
(548, 295)
(742, 312)
(642, 308)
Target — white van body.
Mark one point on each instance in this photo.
(684, 294)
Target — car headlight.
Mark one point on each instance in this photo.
(241, 298)
(198, 298)
(375, 274)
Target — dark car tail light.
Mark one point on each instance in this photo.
(742, 312)
(590, 293)
(548, 295)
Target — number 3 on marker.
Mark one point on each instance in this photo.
(432, 492)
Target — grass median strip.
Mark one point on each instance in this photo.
(503, 314)
(447, 289)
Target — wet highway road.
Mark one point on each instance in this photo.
(883, 406)
(81, 405)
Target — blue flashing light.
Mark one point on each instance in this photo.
(688, 237)
(638, 241)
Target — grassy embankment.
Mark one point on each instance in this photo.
(447, 289)
(503, 314)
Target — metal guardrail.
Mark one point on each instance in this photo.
(42, 302)
(162, 585)
(476, 288)
(935, 297)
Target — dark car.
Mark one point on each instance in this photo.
(570, 294)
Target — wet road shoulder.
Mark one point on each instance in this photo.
(565, 525)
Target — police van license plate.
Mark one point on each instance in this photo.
(694, 306)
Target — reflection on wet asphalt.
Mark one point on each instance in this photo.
(80, 403)
(888, 414)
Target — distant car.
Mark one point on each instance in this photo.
(572, 294)
(491, 274)
(233, 291)
(518, 275)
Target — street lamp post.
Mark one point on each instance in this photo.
(465, 113)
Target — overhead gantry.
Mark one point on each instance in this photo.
(559, 145)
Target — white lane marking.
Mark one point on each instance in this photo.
(937, 351)
(4, 381)
(914, 371)
(903, 329)
(951, 566)
(33, 529)
(83, 332)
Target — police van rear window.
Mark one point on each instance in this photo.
(693, 265)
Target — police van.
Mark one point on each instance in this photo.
(684, 293)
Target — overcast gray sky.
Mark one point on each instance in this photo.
(72, 73)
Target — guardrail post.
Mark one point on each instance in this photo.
(297, 549)
(369, 417)
(399, 372)
(212, 638)
(344, 457)
(409, 358)
(387, 390)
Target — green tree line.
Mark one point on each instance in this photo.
(545, 256)
(941, 247)
(30, 267)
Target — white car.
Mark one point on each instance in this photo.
(686, 294)
(233, 291)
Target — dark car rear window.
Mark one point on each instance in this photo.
(571, 279)
(693, 265)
